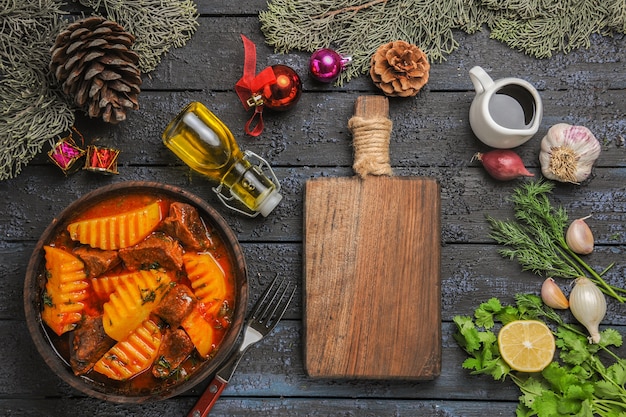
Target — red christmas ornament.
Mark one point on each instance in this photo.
(102, 160)
(277, 87)
(285, 92)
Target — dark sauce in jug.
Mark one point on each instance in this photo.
(512, 107)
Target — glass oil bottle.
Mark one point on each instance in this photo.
(206, 145)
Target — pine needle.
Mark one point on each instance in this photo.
(31, 110)
(357, 28)
(157, 25)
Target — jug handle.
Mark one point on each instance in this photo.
(480, 79)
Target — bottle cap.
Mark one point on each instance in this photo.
(269, 203)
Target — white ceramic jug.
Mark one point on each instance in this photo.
(504, 113)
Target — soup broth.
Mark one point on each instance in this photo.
(218, 317)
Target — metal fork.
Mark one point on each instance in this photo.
(264, 317)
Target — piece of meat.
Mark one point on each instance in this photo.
(175, 347)
(89, 343)
(156, 251)
(176, 305)
(97, 261)
(184, 223)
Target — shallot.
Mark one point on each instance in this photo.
(588, 305)
(503, 164)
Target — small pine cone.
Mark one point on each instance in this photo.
(399, 69)
(93, 61)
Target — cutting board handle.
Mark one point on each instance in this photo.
(371, 131)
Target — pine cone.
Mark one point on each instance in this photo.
(92, 61)
(399, 69)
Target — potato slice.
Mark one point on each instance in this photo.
(200, 331)
(118, 231)
(132, 301)
(66, 289)
(133, 355)
(208, 280)
(103, 287)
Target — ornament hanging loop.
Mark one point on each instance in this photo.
(257, 121)
(251, 84)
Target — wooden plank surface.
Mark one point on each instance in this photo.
(431, 138)
(372, 264)
(243, 407)
(372, 278)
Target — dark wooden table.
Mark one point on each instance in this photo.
(431, 137)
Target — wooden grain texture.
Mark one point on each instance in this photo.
(372, 268)
(372, 278)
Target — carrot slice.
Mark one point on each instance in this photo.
(117, 231)
(132, 301)
(66, 289)
(133, 355)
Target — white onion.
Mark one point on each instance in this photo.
(588, 305)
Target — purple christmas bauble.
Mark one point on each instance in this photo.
(326, 65)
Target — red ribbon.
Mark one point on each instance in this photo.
(249, 86)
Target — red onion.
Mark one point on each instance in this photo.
(503, 164)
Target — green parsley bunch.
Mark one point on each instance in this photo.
(577, 383)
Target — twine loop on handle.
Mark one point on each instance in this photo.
(371, 145)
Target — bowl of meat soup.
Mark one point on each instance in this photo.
(136, 292)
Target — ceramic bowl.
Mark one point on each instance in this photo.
(124, 392)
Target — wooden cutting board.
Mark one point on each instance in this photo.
(372, 285)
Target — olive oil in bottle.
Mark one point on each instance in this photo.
(205, 144)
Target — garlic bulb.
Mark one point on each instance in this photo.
(568, 153)
(552, 295)
(588, 305)
(579, 237)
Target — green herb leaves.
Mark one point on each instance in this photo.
(483, 349)
(536, 238)
(577, 383)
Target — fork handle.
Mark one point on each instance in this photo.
(208, 399)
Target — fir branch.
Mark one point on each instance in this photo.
(352, 9)
(32, 110)
(616, 15)
(157, 25)
(537, 27)
(310, 25)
